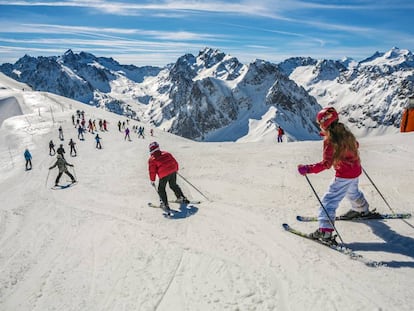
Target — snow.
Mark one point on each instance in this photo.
(98, 246)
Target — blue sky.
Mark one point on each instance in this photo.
(158, 32)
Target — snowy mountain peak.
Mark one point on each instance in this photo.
(395, 57)
(210, 57)
(209, 95)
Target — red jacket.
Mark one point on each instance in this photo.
(161, 163)
(349, 167)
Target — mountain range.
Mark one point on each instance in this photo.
(214, 97)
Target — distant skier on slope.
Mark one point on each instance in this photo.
(72, 148)
(52, 148)
(340, 150)
(62, 166)
(28, 158)
(280, 133)
(61, 150)
(98, 141)
(80, 133)
(164, 165)
(61, 133)
(127, 134)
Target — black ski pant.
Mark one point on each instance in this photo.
(172, 181)
(60, 175)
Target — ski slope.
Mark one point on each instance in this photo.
(98, 246)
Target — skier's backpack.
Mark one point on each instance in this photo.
(407, 119)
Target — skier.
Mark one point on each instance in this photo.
(63, 168)
(164, 165)
(80, 133)
(61, 133)
(98, 141)
(28, 158)
(52, 148)
(280, 133)
(141, 132)
(127, 134)
(61, 150)
(72, 148)
(340, 150)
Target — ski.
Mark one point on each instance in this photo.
(61, 187)
(166, 214)
(179, 202)
(368, 217)
(339, 248)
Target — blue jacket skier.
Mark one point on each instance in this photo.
(28, 158)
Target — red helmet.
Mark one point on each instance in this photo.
(153, 147)
(326, 117)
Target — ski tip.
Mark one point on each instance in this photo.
(286, 226)
(299, 218)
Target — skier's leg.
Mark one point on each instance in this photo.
(331, 199)
(175, 188)
(357, 198)
(58, 178)
(173, 185)
(70, 175)
(161, 190)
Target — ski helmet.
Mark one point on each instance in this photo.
(326, 117)
(153, 147)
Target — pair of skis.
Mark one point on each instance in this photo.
(341, 248)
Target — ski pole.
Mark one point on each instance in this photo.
(193, 186)
(369, 178)
(74, 173)
(47, 177)
(48, 173)
(326, 212)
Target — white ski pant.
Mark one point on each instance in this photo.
(338, 189)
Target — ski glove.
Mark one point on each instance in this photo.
(303, 169)
(153, 183)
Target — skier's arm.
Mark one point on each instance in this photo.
(152, 170)
(327, 161)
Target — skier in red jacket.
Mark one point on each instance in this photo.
(164, 165)
(340, 151)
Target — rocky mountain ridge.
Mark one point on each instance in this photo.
(214, 97)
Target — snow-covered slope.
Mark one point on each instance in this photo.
(98, 246)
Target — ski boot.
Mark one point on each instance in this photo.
(324, 236)
(352, 214)
(166, 209)
(183, 200)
